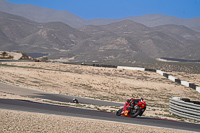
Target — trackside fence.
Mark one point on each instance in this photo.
(185, 108)
(170, 77)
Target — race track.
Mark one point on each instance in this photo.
(23, 105)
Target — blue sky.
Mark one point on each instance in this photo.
(92, 9)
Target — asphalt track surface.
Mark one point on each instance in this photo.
(23, 105)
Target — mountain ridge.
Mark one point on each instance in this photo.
(44, 15)
(126, 41)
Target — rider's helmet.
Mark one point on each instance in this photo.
(141, 99)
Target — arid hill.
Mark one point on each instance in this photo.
(125, 41)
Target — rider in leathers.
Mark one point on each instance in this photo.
(133, 102)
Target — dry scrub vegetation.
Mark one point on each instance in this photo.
(100, 83)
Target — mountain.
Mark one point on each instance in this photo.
(16, 27)
(143, 41)
(181, 33)
(40, 14)
(5, 43)
(189, 52)
(125, 28)
(44, 15)
(56, 35)
(125, 41)
(12, 29)
(152, 20)
(20, 34)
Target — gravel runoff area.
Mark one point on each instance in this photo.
(25, 122)
(76, 80)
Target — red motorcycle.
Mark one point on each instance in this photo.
(133, 108)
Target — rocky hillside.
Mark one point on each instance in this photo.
(142, 41)
(20, 34)
(125, 41)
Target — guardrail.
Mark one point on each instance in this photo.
(185, 83)
(185, 108)
(170, 77)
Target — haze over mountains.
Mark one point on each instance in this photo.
(37, 29)
(43, 15)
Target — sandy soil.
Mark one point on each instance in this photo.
(99, 83)
(21, 122)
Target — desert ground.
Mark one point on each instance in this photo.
(23, 122)
(92, 82)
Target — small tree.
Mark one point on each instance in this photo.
(4, 53)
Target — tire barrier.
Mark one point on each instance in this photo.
(150, 70)
(185, 108)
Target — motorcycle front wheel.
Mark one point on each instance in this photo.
(118, 113)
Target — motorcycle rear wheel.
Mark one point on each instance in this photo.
(135, 113)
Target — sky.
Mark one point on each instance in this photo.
(109, 9)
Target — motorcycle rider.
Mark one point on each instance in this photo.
(133, 101)
(75, 100)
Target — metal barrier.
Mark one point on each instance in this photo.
(185, 108)
(170, 77)
(131, 68)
